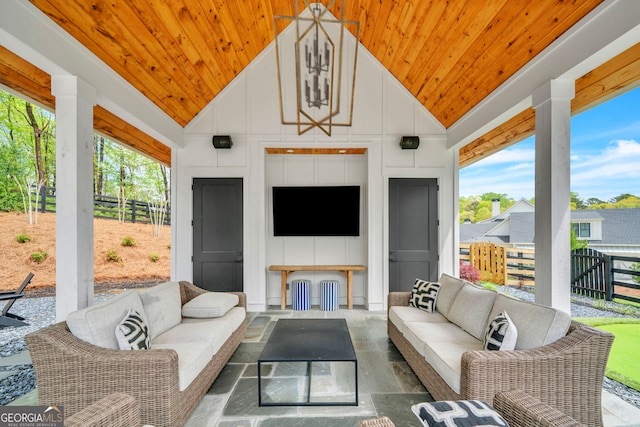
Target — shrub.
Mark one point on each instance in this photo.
(38, 257)
(128, 241)
(112, 256)
(469, 272)
(154, 257)
(23, 238)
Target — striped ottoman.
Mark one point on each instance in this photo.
(329, 295)
(301, 294)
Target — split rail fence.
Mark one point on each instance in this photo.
(593, 273)
(106, 207)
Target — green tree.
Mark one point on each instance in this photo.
(27, 152)
(27, 148)
(593, 201)
(577, 202)
(618, 202)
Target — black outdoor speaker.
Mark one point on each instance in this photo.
(222, 141)
(409, 142)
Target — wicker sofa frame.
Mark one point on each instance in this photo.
(76, 374)
(566, 374)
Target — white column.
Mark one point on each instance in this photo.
(74, 193)
(552, 103)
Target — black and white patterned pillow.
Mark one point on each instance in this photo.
(501, 334)
(461, 413)
(133, 333)
(424, 295)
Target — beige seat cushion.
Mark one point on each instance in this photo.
(192, 358)
(215, 331)
(442, 346)
(97, 324)
(471, 309)
(537, 325)
(400, 314)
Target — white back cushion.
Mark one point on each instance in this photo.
(537, 324)
(97, 324)
(449, 288)
(162, 306)
(470, 310)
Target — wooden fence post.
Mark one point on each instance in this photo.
(133, 211)
(43, 199)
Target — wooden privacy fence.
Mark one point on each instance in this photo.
(593, 273)
(499, 264)
(105, 207)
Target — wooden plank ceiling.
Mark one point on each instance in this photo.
(450, 54)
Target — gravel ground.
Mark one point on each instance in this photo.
(40, 312)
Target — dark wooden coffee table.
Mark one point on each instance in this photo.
(312, 363)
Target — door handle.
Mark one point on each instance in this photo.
(392, 255)
(239, 257)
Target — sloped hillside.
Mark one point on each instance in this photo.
(134, 263)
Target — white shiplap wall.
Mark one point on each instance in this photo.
(248, 110)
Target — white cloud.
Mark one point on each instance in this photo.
(612, 171)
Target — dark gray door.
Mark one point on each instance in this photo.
(413, 231)
(217, 233)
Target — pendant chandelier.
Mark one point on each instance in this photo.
(322, 56)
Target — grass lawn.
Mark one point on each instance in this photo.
(623, 363)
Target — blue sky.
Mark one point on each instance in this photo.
(605, 156)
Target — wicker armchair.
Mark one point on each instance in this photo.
(520, 409)
(114, 410)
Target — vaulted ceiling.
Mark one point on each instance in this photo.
(182, 53)
(448, 54)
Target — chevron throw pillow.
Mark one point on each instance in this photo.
(461, 413)
(133, 333)
(424, 295)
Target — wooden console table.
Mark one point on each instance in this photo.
(346, 270)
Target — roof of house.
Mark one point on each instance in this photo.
(619, 227)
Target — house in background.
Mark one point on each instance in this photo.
(611, 231)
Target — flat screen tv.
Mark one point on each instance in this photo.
(316, 211)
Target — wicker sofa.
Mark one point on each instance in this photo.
(556, 360)
(167, 380)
